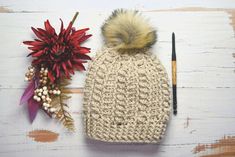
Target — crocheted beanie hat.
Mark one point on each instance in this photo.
(126, 94)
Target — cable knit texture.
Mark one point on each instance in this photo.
(126, 97)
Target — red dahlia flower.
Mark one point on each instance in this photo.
(61, 53)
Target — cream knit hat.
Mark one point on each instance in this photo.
(126, 94)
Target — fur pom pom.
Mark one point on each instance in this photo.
(128, 30)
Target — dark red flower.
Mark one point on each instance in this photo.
(61, 53)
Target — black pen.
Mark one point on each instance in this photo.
(174, 77)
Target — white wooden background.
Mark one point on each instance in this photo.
(205, 43)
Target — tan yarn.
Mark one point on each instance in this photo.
(126, 94)
(126, 97)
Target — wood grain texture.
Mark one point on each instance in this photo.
(205, 45)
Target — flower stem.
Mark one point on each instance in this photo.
(75, 16)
